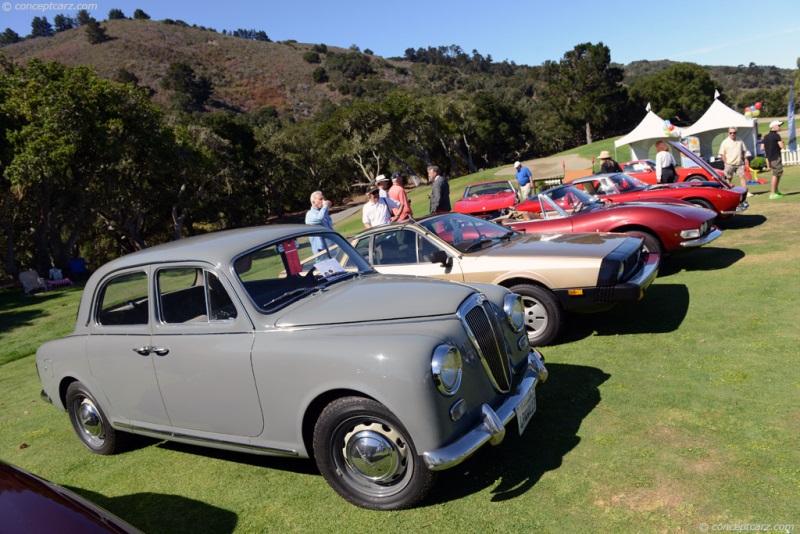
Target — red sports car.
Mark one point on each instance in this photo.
(645, 169)
(726, 201)
(486, 199)
(664, 227)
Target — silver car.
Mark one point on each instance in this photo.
(282, 340)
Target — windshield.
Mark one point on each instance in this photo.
(623, 182)
(287, 270)
(466, 233)
(491, 188)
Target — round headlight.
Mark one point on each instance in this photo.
(515, 311)
(446, 369)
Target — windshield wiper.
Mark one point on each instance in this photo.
(478, 244)
(290, 293)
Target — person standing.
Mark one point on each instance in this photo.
(607, 164)
(440, 191)
(378, 210)
(398, 193)
(733, 153)
(772, 148)
(524, 180)
(319, 214)
(665, 164)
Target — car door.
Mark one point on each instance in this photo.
(406, 251)
(117, 348)
(201, 344)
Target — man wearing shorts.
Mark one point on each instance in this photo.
(772, 148)
(732, 152)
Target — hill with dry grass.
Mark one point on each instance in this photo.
(247, 75)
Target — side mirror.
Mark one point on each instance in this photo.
(440, 256)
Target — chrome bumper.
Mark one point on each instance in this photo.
(491, 428)
(708, 238)
(739, 209)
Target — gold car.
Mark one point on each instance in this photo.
(552, 272)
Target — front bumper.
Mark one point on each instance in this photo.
(739, 209)
(492, 425)
(700, 241)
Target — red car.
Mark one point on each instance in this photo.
(664, 227)
(726, 201)
(487, 199)
(645, 169)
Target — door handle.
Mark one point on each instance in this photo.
(144, 351)
(160, 351)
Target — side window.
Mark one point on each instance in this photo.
(123, 300)
(393, 248)
(192, 295)
(426, 250)
(362, 247)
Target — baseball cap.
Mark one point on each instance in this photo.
(396, 175)
(381, 178)
(773, 124)
(517, 164)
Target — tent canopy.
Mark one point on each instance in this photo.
(716, 120)
(642, 138)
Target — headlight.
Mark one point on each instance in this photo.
(515, 311)
(691, 234)
(446, 369)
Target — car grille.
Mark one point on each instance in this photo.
(485, 332)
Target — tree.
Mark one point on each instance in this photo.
(116, 14)
(140, 15)
(9, 37)
(63, 23)
(95, 33)
(680, 93)
(83, 17)
(40, 27)
(583, 88)
(190, 92)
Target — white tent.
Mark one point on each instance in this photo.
(642, 138)
(716, 120)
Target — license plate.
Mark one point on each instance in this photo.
(525, 409)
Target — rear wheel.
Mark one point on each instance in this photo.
(651, 242)
(703, 203)
(89, 421)
(695, 178)
(543, 314)
(366, 455)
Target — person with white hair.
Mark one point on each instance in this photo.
(524, 180)
(319, 214)
(733, 154)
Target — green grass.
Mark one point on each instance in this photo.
(660, 415)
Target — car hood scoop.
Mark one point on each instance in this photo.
(376, 297)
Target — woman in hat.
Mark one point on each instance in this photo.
(608, 165)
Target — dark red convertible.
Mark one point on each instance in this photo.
(664, 227)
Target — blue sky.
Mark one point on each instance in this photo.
(526, 32)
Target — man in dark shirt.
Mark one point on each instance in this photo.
(772, 148)
(440, 191)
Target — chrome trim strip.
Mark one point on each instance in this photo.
(188, 437)
(491, 426)
(708, 238)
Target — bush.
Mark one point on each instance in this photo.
(319, 75)
(311, 57)
(758, 164)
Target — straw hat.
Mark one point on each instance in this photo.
(604, 154)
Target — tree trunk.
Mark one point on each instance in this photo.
(588, 133)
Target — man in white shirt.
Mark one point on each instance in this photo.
(733, 152)
(378, 210)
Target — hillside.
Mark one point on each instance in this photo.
(247, 75)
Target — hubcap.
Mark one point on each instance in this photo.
(375, 452)
(535, 315)
(91, 422)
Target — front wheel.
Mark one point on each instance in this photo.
(366, 455)
(543, 313)
(89, 421)
(696, 178)
(703, 203)
(651, 242)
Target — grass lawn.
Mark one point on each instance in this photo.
(660, 415)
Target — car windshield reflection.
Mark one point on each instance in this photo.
(283, 272)
(465, 233)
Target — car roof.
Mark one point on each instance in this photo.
(216, 247)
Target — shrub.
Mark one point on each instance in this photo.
(758, 163)
(311, 57)
(320, 48)
(320, 75)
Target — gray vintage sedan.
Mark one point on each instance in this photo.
(282, 340)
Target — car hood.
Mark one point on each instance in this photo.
(577, 245)
(681, 208)
(376, 297)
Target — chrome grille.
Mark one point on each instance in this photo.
(486, 335)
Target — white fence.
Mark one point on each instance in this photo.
(790, 158)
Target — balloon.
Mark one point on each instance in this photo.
(747, 114)
(671, 127)
(756, 113)
(758, 105)
(666, 123)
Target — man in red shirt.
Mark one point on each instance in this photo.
(398, 193)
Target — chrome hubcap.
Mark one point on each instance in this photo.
(535, 315)
(375, 452)
(90, 421)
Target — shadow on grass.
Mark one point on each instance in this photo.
(11, 314)
(571, 393)
(741, 221)
(701, 259)
(668, 302)
(158, 512)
